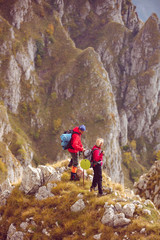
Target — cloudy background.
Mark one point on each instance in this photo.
(145, 8)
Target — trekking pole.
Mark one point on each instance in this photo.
(85, 164)
(83, 171)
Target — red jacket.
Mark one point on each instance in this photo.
(97, 154)
(76, 142)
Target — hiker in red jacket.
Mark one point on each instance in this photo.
(76, 147)
(97, 166)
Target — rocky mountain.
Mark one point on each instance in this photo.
(65, 63)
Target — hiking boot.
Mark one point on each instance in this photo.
(101, 194)
(92, 189)
(76, 179)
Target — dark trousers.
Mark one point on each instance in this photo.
(74, 164)
(74, 159)
(97, 178)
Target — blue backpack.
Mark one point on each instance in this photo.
(66, 139)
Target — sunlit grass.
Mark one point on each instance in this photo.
(55, 214)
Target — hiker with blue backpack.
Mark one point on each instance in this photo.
(71, 140)
(74, 149)
(97, 159)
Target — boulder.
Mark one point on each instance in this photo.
(24, 225)
(78, 206)
(112, 218)
(108, 217)
(120, 220)
(32, 179)
(12, 234)
(3, 197)
(47, 172)
(129, 209)
(43, 193)
(11, 231)
(118, 207)
(17, 236)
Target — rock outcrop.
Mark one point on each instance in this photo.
(86, 52)
(34, 178)
(148, 185)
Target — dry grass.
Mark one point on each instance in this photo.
(54, 214)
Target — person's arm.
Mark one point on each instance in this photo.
(76, 143)
(97, 155)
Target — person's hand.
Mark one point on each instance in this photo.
(103, 152)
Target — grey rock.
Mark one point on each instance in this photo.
(19, 12)
(11, 231)
(78, 206)
(6, 185)
(17, 236)
(43, 193)
(97, 236)
(118, 207)
(129, 209)
(143, 230)
(12, 94)
(32, 179)
(24, 225)
(108, 217)
(47, 172)
(3, 197)
(50, 186)
(146, 211)
(124, 128)
(120, 220)
(157, 200)
(44, 231)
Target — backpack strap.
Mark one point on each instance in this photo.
(95, 162)
(69, 145)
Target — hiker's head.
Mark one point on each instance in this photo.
(99, 142)
(82, 128)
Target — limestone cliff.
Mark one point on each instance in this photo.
(90, 62)
(129, 51)
(49, 85)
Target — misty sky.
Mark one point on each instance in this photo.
(145, 8)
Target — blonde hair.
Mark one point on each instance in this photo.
(99, 141)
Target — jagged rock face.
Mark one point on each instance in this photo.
(34, 178)
(130, 16)
(135, 76)
(4, 123)
(78, 78)
(21, 69)
(13, 164)
(142, 95)
(148, 185)
(93, 14)
(19, 65)
(106, 120)
(12, 94)
(19, 11)
(14, 168)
